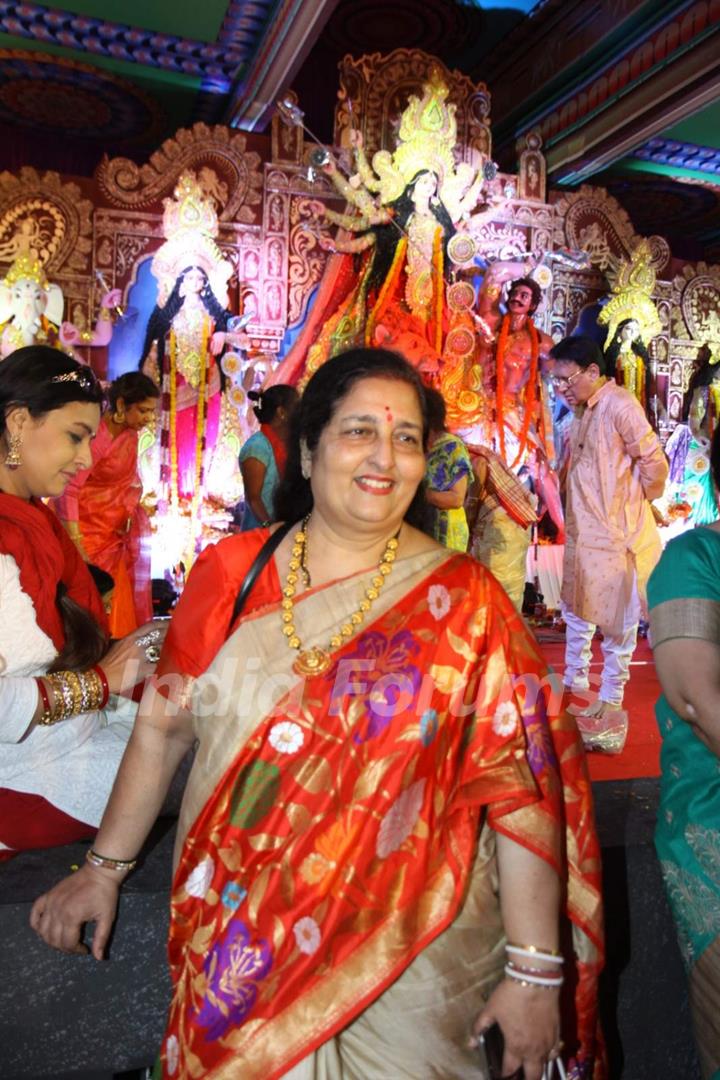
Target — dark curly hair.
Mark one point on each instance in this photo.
(323, 393)
(387, 237)
(532, 285)
(161, 318)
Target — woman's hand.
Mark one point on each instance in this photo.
(127, 663)
(326, 243)
(316, 208)
(89, 895)
(356, 139)
(529, 1019)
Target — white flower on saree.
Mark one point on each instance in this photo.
(438, 601)
(172, 1054)
(307, 935)
(506, 717)
(199, 879)
(286, 737)
(698, 463)
(400, 819)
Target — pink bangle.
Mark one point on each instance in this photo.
(105, 685)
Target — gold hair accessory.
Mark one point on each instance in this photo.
(13, 459)
(315, 661)
(85, 378)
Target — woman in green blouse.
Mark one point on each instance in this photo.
(684, 600)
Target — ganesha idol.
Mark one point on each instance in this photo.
(31, 312)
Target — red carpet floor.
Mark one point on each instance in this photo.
(641, 756)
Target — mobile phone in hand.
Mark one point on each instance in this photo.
(491, 1046)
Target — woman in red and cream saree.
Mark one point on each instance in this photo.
(331, 896)
(354, 844)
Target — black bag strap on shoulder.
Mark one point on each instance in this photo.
(259, 563)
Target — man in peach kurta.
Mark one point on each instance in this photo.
(616, 467)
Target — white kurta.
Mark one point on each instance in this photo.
(616, 466)
(71, 764)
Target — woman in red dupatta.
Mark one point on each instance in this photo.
(101, 508)
(60, 745)
(387, 813)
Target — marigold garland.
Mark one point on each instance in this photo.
(438, 286)
(199, 433)
(530, 395)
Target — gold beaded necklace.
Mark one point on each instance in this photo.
(316, 660)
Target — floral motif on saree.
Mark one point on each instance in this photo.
(339, 841)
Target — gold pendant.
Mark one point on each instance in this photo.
(312, 662)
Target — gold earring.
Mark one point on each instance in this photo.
(13, 458)
(118, 417)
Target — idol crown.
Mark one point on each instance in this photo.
(189, 210)
(26, 267)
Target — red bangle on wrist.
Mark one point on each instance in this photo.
(106, 686)
(44, 696)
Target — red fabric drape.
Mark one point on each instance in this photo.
(46, 556)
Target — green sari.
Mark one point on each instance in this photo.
(684, 601)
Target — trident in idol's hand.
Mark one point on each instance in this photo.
(120, 312)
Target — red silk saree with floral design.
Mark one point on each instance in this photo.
(330, 833)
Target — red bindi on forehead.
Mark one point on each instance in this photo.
(388, 414)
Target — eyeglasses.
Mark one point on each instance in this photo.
(564, 381)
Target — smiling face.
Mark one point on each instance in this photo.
(369, 460)
(520, 301)
(53, 448)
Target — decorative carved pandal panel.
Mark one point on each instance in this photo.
(532, 173)
(262, 188)
(374, 91)
(694, 320)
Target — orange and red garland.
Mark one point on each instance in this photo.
(530, 389)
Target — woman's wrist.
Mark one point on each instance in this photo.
(64, 694)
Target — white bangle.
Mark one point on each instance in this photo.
(534, 954)
(533, 980)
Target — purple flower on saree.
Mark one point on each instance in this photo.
(233, 968)
(540, 750)
(381, 670)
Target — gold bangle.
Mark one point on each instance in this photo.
(109, 864)
(76, 688)
(63, 694)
